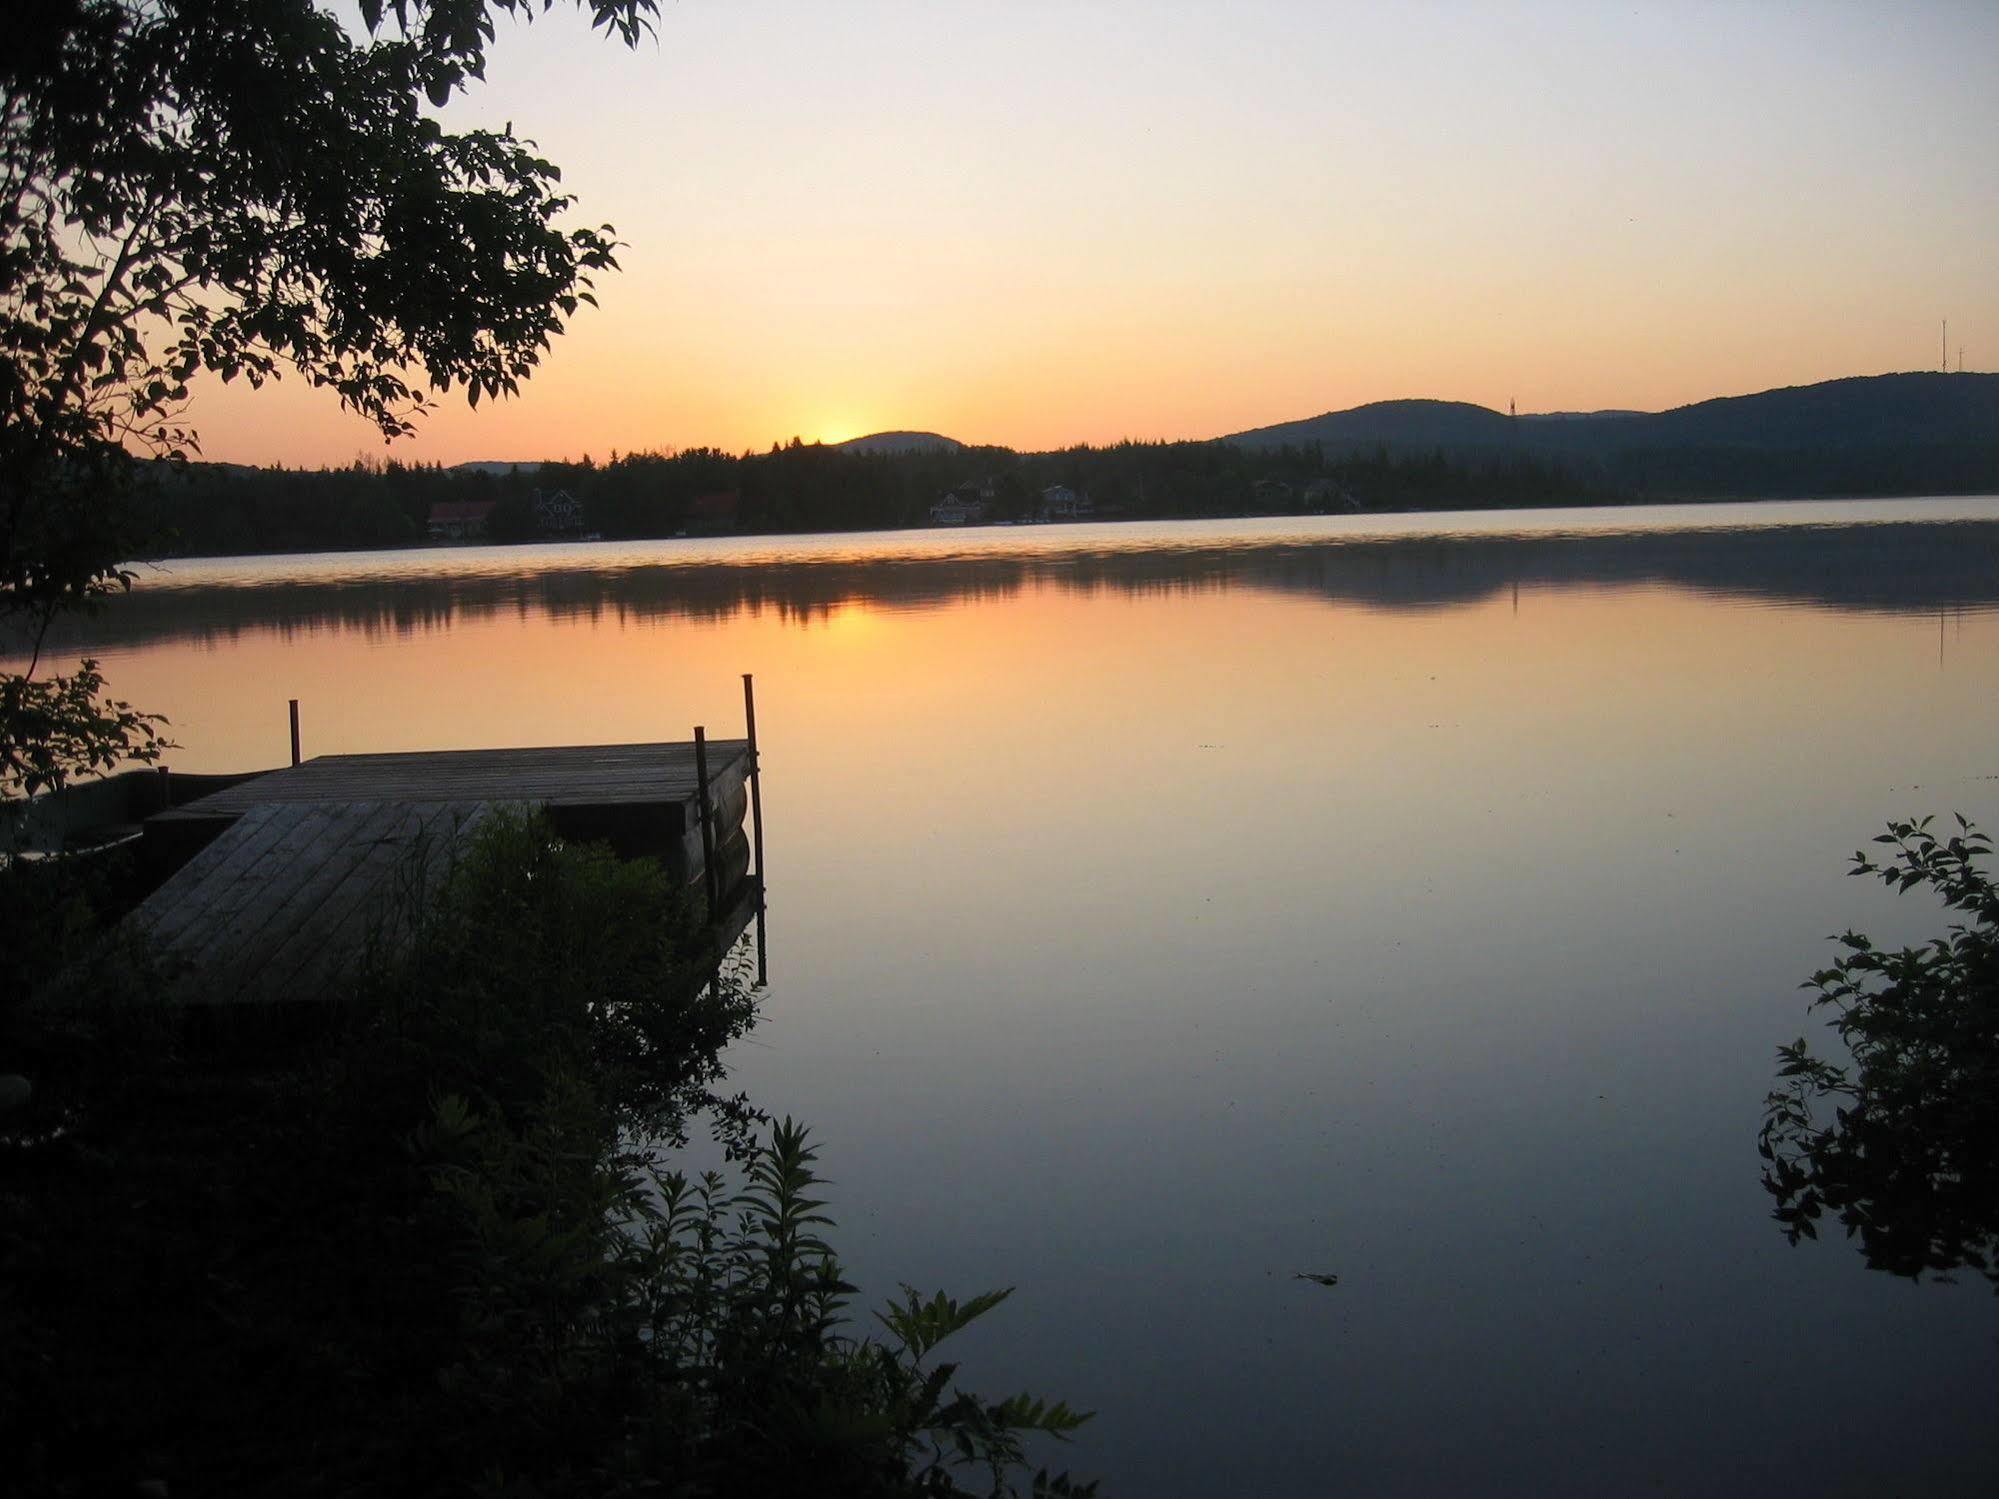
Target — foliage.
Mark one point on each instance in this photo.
(1909, 1157)
(60, 727)
(409, 1245)
(53, 915)
(242, 187)
(211, 510)
(689, 1332)
(545, 959)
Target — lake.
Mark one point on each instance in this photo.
(1160, 912)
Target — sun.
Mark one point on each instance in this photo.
(834, 429)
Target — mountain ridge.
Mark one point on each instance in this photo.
(1929, 407)
(1849, 411)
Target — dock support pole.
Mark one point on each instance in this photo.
(708, 872)
(294, 731)
(711, 877)
(757, 826)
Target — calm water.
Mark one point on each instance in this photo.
(1161, 911)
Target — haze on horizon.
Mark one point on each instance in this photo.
(1055, 221)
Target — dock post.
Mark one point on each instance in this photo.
(757, 826)
(708, 872)
(294, 731)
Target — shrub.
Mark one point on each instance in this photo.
(423, 1244)
(1902, 1142)
(541, 959)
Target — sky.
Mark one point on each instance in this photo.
(1042, 222)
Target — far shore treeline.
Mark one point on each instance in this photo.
(216, 510)
(1882, 435)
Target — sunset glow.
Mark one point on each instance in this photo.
(1039, 224)
(1218, 661)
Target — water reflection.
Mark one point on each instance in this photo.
(1888, 567)
(1171, 909)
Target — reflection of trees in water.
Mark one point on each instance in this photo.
(1892, 567)
(1902, 1145)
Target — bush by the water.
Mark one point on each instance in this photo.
(421, 1243)
(1901, 1142)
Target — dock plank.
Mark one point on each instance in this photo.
(236, 902)
(237, 966)
(315, 826)
(211, 883)
(263, 886)
(244, 876)
(330, 937)
(295, 899)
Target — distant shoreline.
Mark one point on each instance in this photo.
(1879, 437)
(1044, 527)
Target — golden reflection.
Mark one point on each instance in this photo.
(1293, 686)
(850, 621)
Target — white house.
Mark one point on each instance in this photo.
(1060, 502)
(557, 512)
(963, 506)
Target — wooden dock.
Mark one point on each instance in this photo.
(637, 797)
(284, 883)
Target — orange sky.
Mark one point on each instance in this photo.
(1042, 223)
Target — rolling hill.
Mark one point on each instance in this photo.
(900, 442)
(1872, 434)
(1862, 410)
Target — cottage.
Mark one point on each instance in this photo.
(1060, 502)
(1322, 495)
(963, 506)
(460, 520)
(557, 512)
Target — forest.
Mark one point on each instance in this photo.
(218, 509)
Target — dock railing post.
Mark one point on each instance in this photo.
(757, 826)
(294, 731)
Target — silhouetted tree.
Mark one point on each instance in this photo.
(242, 187)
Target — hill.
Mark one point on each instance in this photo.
(1860, 409)
(1396, 424)
(1872, 434)
(900, 442)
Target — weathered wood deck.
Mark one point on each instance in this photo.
(285, 882)
(618, 775)
(289, 900)
(638, 797)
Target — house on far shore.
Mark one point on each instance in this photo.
(1322, 495)
(964, 506)
(557, 512)
(460, 520)
(1060, 502)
